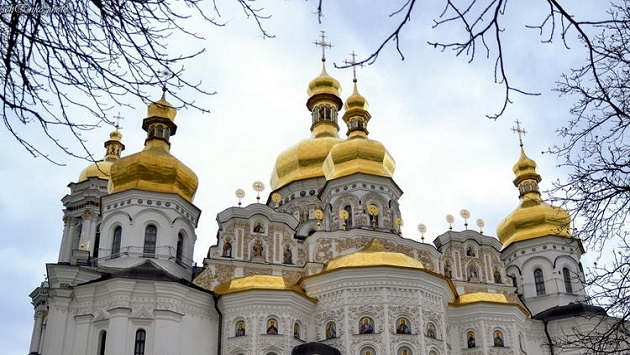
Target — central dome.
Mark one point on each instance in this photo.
(305, 159)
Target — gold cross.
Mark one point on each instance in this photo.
(323, 44)
(118, 117)
(354, 64)
(520, 132)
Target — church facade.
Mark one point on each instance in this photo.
(321, 261)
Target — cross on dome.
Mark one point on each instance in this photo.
(520, 131)
(354, 64)
(118, 117)
(322, 43)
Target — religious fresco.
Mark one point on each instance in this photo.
(366, 325)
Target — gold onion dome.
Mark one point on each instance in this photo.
(374, 254)
(533, 218)
(154, 168)
(258, 282)
(358, 153)
(305, 159)
(324, 84)
(101, 169)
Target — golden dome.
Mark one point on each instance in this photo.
(356, 101)
(154, 168)
(305, 159)
(162, 108)
(324, 84)
(374, 254)
(258, 282)
(302, 161)
(358, 153)
(101, 169)
(533, 218)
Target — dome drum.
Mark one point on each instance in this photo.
(324, 98)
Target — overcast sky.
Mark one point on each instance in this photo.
(428, 110)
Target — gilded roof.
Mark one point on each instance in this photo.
(359, 155)
(154, 169)
(259, 282)
(533, 218)
(374, 254)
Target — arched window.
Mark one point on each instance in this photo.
(331, 330)
(497, 339)
(116, 242)
(180, 248)
(102, 339)
(471, 340)
(97, 241)
(566, 275)
(240, 329)
(539, 280)
(272, 326)
(141, 338)
(348, 209)
(403, 326)
(150, 238)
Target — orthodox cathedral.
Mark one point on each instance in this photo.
(319, 268)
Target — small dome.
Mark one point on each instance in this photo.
(258, 282)
(533, 218)
(101, 169)
(356, 101)
(324, 84)
(162, 108)
(374, 254)
(358, 155)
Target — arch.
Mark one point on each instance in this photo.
(272, 326)
(539, 281)
(404, 350)
(240, 328)
(448, 269)
(227, 248)
(472, 272)
(566, 276)
(150, 241)
(179, 250)
(498, 340)
(366, 325)
(258, 249)
(431, 330)
(403, 326)
(140, 342)
(497, 276)
(116, 240)
(367, 350)
(297, 330)
(348, 208)
(331, 330)
(102, 341)
(97, 241)
(471, 339)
